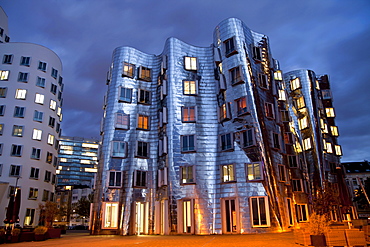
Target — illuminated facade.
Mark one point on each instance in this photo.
(31, 87)
(78, 161)
(200, 140)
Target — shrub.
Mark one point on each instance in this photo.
(40, 230)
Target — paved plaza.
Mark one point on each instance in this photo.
(83, 239)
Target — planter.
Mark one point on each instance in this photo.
(27, 236)
(40, 237)
(318, 240)
(14, 239)
(53, 233)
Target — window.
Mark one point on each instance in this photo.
(22, 77)
(25, 61)
(51, 122)
(260, 215)
(228, 173)
(189, 114)
(191, 63)
(1, 129)
(282, 95)
(275, 140)
(257, 53)
(16, 150)
(59, 95)
(54, 73)
(143, 97)
(34, 173)
(37, 116)
(338, 150)
(190, 87)
(32, 195)
(334, 130)
(128, 70)
(225, 112)
(57, 129)
(39, 99)
(187, 174)
(7, 59)
(307, 144)
(47, 177)
(329, 112)
(269, 109)
(142, 149)
(278, 75)
(299, 103)
(241, 106)
(230, 47)
(53, 89)
(247, 138)
(37, 134)
(163, 117)
(143, 122)
(297, 185)
(303, 123)
(282, 173)
(55, 161)
(50, 139)
(227, 142)
(53, 180)
(301, 212)
(4, 75)
(30, 216)
(20, 94)
(110, 215)
(188, 143)
(293, 161)
(3, 91)
(140, 178)
(15, 170)
(254, 171)
(1, 169)
(289, 138)
(40, 82)
(115, 179)
(36, 153)
(162, 177)
(125, 95)
(236, 75)
(53, 105)
(49, 157)
(264, 81)
(329, 148)
(42, 66)
(295, 84)
(119, 149)
(45, 195)
(17, 130)
(122, 121)
(145, 73)
(59, 111)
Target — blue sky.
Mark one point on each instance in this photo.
(327, 36)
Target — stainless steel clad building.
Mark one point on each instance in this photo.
(201, 140)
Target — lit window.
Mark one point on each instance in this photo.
(225, 112)
(16, 150)
(334, 131)
(188, 143)
(40, 82)
(254, 171)
(228, 173)
(50, 139)
(54, 73)
(142, 149)
(143, 122)
(289, 138)
(20, 94)
(278, 75)
(264, 82)
(282, 95)
(39, 98)
(4, 75)
(338, 150)
(49, 157)
(125, 94)
(145, 73)
(260, 215)
(236, 76)
(15, 170)
(115, 179)
(37, 134)
(59, 111)
(7, 59)
(128, 69)
(293, 161)
(241, 105)
(191, 63)
(301, 212)
(144, 97)
(119, 149)
(282, 173)
(190, 87)
(300, 103)
(25, 61)
(30, 216)
(227, 141)
(295, 84)
(140, 178)
(23, 77)
(330, 112)
(3, 91)
(32, 195)
(269, 110)
(187, 174)
(1, 129)
(329, 148)
(303, 123)
(110, 215)
(38, 116)
(42, 66)
(17, 130)
(297, 185)
(36, 153)
(122, 121)
(53, 104)
(188, 114)
(230, 47)
(247, 138)
(307, 144)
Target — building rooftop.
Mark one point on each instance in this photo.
(357, 167)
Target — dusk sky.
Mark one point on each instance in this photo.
(327, 36)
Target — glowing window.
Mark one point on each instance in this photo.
(300, 102)
(338, 150)
(241, 105)
(20, 94)
(282, 95)
(330, 112)
(190, 87)
(334, 131)
(191, 63)
(128, 69)
(51, 139)
(295, 84)
(254, 171)
(53, 104)
(37, 134)
(187, 174)
(4, 75)
(225, 112)
(278, 75)
(188, 114)
(145, 73)
(33, 193)
(307, 144)
(110, 215)
(329, 148)
(39, 99)
(143, 122)
(228, 174)
(303, 123)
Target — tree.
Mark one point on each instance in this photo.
(360, 198)
(48, 212)
(82, 207)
